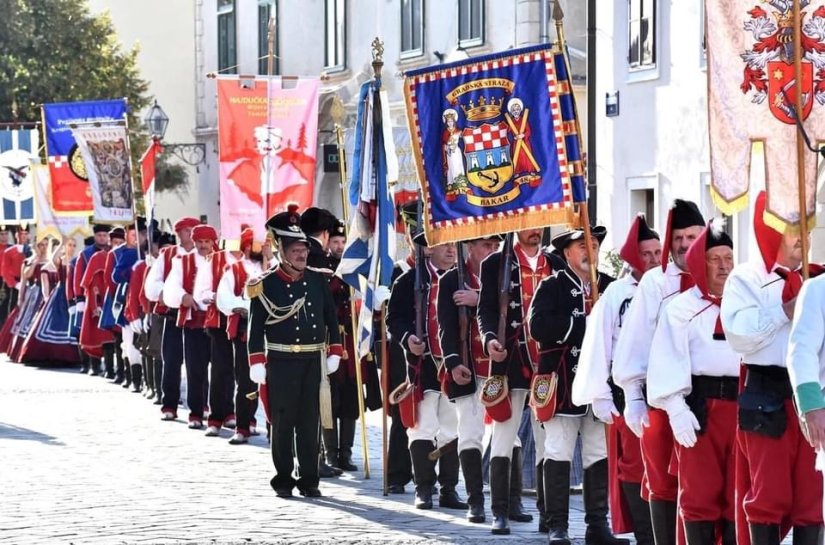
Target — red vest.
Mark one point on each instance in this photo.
(233, 322)
(217, 262)
(191, 318)
(166, 254)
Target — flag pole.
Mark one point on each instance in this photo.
(270, 56)
(359, 383)
(584, 214)
(800, 144)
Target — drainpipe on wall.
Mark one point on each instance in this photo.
(544, 18)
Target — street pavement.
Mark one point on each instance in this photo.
(85, 461)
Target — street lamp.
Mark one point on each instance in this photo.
(157, 121)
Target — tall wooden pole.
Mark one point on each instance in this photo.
(800, 144)
(342, 169)
(270, 60)
(584, 215)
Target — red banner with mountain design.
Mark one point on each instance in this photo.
(267, 133)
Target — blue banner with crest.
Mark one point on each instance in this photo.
(496, 143)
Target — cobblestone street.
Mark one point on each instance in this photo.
(85, 461)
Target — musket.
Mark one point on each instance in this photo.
(442, 450)
(463, 312)
(504, 287)
(420, 272)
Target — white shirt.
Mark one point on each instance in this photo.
(153, 284)
(225, 299)
(173, 291)
(603, 327)
(683, 345)
(203, 279)
(632, 351)
(806, 356)
(755, 324)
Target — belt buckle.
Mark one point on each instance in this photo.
(295, 348)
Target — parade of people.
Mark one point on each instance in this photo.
(448, 283)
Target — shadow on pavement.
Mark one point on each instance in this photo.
(7, 431)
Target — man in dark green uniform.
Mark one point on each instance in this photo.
(293, 338)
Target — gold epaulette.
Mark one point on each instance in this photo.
(255, 286)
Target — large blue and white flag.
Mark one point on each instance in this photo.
(368, 259)
(18, 150)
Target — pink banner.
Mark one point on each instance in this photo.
(268, 132)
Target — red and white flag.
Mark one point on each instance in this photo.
(147, 175)
(752, 90)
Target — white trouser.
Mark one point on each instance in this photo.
(436, 420)
(505, 434)
(470, 414)
(128, 345)
(560, 439)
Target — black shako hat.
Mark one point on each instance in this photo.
(285, 227)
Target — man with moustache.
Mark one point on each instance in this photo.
(172, 338)
(782, 487)
(436, 420)
(656, 290)
(465, 378)
(293, 335)
(593, 385)
(694, 375)
(179, 293)
(557, 321)
(515, 357)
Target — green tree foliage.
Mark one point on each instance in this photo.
(58, 51)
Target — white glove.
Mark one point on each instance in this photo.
(81, 306)
(635, 416)
(332, 364)
(380, 296)
(257, 373)
(684, 426)
(604, 410)
(136, 325)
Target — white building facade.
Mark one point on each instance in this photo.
(333, 38)
(650, 60)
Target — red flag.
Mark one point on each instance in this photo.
(147, 166)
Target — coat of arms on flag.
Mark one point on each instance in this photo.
(752, 93)
(71, 194)
(18, 150)
(495, 143)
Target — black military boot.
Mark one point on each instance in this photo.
(729, 532)
(639, 513)
(346, 434)
(807, 535)
(158, 364)
(557, 501)
(594, 490)
(84, 363)
(543, 528)
(448, 465)
(516, 510)
(500, 494)
(471, 468)
(137, 377)
(109, 361)
(330, 446)
(127, 372)
(764, 534)
(94, 367)
(423, 473)
(149, 377)
(663, 521)
(700, 532)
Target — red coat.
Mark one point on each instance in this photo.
(134, 307)
(92, 337)
(12, 265)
